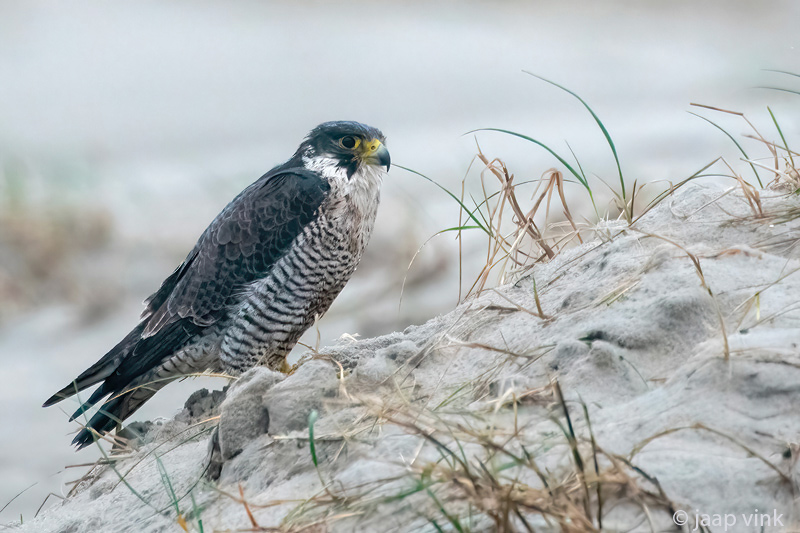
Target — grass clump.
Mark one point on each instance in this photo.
(468, 477)
(520, 233)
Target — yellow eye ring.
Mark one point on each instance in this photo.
(349, 142)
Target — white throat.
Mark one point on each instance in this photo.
(357, 196)
(362, 188)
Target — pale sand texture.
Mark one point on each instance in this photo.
(633, 334)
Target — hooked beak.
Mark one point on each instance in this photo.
(375, 153)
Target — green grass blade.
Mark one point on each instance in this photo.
(418, 487)
(720, 128)
(312, 417)
(596, 119)
(450, 518)
(577, 162)
(581, 179)
(782, 72)
(196, 513)
(457, 228)
(778, 89)
(433, 522)
(780, 132)
(580, 168)
(478, 211)
(561, 160)
(167, 482)
(453, 196)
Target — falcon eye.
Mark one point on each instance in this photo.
(349, 142)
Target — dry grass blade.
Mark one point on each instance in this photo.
(539, 313)
(17, 495)
(486, 479)
(525, 243)
(247, 510)
(752, 196)
(672, 188)
(524, 220)
(702, 427)
(491, 485)
(750, 193)
(721, 110)
(175, 437)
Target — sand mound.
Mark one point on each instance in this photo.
(663, 380)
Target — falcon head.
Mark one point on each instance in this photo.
(347, 146)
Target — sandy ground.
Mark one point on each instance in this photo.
(678, 336)
(151, 117)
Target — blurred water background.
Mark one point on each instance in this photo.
(125, 128)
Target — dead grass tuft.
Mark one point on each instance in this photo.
(516, 240)
(465, 477)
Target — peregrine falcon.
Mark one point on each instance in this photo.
(259, 276)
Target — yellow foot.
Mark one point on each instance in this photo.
(286, 368)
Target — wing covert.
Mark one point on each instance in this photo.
(238, 247)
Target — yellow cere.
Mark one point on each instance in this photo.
(372, 145)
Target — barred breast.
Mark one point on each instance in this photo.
(299, 288)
